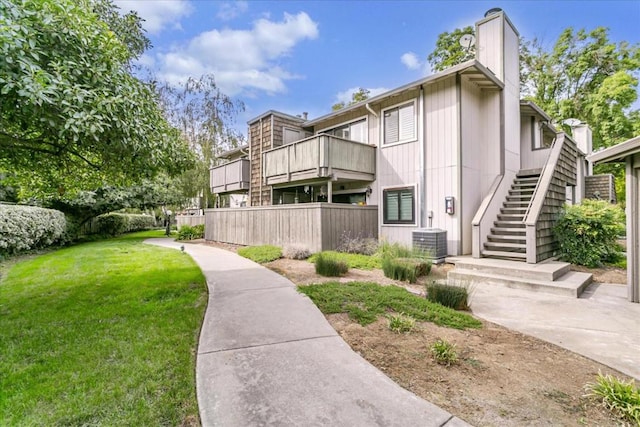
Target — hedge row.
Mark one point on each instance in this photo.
(113, 224)
(24, 228)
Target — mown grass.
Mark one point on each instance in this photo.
(101, 333)
(364, 302)
(362, 262)
(261, 254)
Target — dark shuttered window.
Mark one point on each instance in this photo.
(399, 206)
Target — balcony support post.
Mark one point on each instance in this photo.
(330, 191)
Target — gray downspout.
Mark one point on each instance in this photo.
(422, 185)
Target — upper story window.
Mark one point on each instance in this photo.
(400, 123)
(354, 131)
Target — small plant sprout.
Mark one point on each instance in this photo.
(401, 323)
(444, 352)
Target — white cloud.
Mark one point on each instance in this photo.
(410, 60)
(345, 96)
(240, 60)
(157, 15)
(232, 9)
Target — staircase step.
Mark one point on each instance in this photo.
(509, 224)
(525, 184)
(533, 178)
(519, 198)
(521, 203)
(507, 238)
(514, 209)
(506, 247)
(548, 270)
(528, 172)
(520, 192)
(510, 217)
(504, 254)
(570, 284)
(508, 231)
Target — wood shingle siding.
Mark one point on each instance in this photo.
(601, 187)
(563, 172)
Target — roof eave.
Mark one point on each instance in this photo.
(460, 68)
(618, 152)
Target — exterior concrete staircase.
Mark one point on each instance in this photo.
(507, 239)
(550, 276)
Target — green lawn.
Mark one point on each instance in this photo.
(102, 333)
(364, 302)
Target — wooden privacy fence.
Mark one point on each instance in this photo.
(189, 220)
(317, 226)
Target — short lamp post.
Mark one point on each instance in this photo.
(168, 231)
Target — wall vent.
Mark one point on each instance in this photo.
(432, 240)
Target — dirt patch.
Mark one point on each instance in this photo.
(502, 378)
(605, 274)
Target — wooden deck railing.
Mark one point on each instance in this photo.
(320, 156)
(232, 176)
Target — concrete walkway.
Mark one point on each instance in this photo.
(601, 325)
(267, 356)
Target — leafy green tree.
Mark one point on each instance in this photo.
(588, 77)
(70, 108)
(205, 117)
(449, 51)
(360, 95)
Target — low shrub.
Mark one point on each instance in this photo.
(112, 224)
(400, 323)
(296, 252)
(587, 232)
(261, 254)
(357, 244)
(395, 250)
(455, 297)
(329, 266)
(362, 262)
(621, 397)
(188, 232)
(140, 222)
(444, 352)
(405, 269)
(24, 228)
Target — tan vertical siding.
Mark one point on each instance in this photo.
(399, 166)
(441, 157)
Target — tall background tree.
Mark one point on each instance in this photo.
(205, 117)
(360, 95)
(584, 76)
(81, 131)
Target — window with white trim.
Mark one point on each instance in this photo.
(354, 131)
(400, 124)
(398, 206)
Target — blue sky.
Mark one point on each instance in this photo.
(296, 56)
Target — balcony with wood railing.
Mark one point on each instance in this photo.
(230, 177)
(320, 156)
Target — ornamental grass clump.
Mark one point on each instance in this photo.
(329, 266)
(444, 352)
(296, 252)
(620, 397)
(401, 323)
(455, 297)
(405, 269)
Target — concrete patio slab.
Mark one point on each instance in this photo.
(601, 325)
